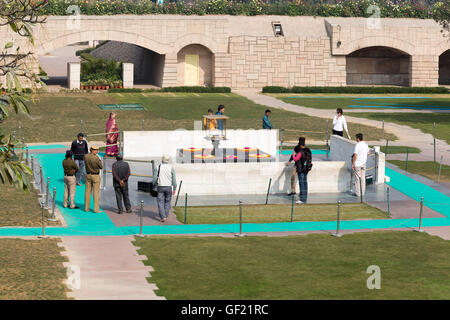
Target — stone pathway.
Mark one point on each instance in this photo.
(407, 136)
(443, 232)
(110, 269)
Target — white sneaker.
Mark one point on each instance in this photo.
(299, 202)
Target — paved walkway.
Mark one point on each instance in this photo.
(110, 269)
(407, 136)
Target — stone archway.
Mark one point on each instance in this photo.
(444, 68)
(378, 65)
(195, 66)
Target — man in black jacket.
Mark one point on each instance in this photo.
(121, 173)
(80, 148)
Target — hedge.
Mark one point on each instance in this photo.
(350, 89)
(194, 89)
(339, 8)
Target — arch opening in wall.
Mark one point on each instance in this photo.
(378, 65)
(444, 68)
(195, 66)
(148, 65)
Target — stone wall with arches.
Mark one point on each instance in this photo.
(243, 52)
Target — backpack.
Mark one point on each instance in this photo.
(304, 165)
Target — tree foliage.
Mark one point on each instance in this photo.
(19, 16)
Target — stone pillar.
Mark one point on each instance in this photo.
(73, 75)
(170, 73)
(424, 71)
(127, 75)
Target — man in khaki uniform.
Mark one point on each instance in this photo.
(70, 169)
(93, 166)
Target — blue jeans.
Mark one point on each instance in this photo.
(163, 199)
(303, 184)
(81, 173)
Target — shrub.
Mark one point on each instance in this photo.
(351, 89)
(196, 89)
(112, 90)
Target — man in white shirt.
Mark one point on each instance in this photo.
(359, 165)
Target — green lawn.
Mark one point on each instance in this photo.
(422, 121)
(427, 169)
(31, 270)
(349, 101)
(56, 117)
(277, 213)
(398, 149)
(20, 209)
(316, 266)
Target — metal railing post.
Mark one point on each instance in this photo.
(141, 213)
(388, 202)
(386, 149)
(382, 130)
(338, 220)
(376, 167)
(47, 188)
(185, 208)
(407, 156)
(360, 188)
(327, 135)
(281, 140)
(268, 190)
(292, 208)
(420, 216)
(52, 218)
(143, 124)
(41, 180)
(178, 193)
(20, 129)
(434, 141)
(32, 170)
(27, 156)
(240, 234)
(440, 168)
(103, 181)
(43, 236)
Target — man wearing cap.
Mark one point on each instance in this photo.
(79, 148)
(70, 188)
(121, 173)
(93, 166)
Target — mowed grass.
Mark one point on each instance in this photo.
(315, 266)
(421, 121)
(20, 209)
(398, 149)
(31, 270)
(276, 213)
(56, 117)
(363, 101)
(427, 169)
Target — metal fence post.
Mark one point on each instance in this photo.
(32, 170)
(52, 218)
(103, 182)
(440, 168)
(240, 234)
(386, 149)
(382, 130)
(420, 216)
(338, 220)
(143, 124)
(43, 236)
(407, 155)
(292, 208)
(376, 167)
(360, 188)
(327, 135)
(141, 213)
(388, 202)
(27, 156)
(268, 190)
(434, 141)
(178, 193)
(20, 129)
(185, 209)
(41, 180)
(47, 188)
